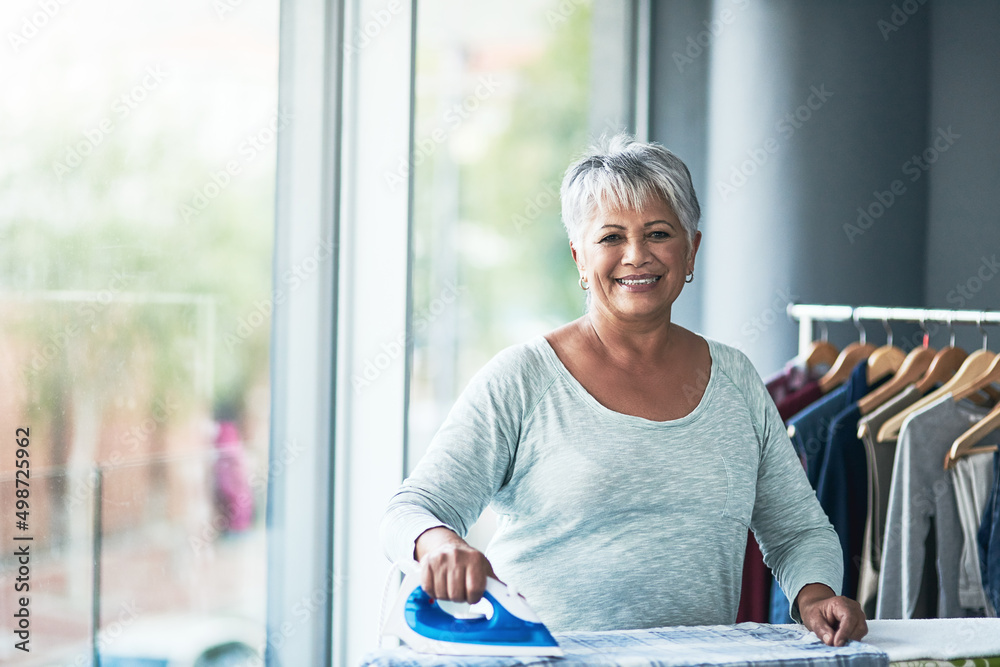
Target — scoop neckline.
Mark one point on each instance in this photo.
(633, 420)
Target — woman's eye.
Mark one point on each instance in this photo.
(610, 238)
(660, 235)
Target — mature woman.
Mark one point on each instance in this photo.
(624, 455)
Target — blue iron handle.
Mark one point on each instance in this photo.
(426, 617)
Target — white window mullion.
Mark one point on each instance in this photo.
(374, 275)
(306, 255)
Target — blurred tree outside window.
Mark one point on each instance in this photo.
(136, 231)
(502, 107)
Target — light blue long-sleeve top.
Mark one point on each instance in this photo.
(610, 521)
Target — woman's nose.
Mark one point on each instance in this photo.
(636, 253)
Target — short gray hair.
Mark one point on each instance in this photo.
(620, 173)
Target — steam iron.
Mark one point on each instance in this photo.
(511, 628)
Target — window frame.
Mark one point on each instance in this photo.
(347, 76)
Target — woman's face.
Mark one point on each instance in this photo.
(635, 261)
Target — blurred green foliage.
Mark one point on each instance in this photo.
(113, 225)
(512, 251)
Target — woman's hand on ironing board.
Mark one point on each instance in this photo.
(834, 618)
(450, 569)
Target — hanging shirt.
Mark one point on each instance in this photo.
(880, 456)
(788, 380)
(811, 436)
(811, 426)
(797, 401)
(842, 488)
(989, 543)
(922, 498)
(972, 477)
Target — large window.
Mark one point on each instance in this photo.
(172, 385)
(136, 225)
(505, 99)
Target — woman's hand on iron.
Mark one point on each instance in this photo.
(834, 618)
(450, 569)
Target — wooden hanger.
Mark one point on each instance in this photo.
(912, 368)
(884, 361)
(975, 364)
(849, 357)
(946, 363)
(980, 383)
(965, 444)
(944, 367)
(821, 353)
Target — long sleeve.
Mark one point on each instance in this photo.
(923, 500)
(796, 538)
(467, 462)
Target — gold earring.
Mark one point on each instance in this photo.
(584, 285)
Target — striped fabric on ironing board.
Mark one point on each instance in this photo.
(743, 645)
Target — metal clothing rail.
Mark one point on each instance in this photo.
(807, 314)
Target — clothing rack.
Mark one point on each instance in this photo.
(807, 314)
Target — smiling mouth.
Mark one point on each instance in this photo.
(637, 281)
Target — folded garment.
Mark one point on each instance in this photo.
(958, 662)
(935, 638)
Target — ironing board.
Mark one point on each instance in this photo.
(951, 642)
(743, 645)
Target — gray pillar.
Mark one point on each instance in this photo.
(679, 64)
(812, 116)
(964, 227)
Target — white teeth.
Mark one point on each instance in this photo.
(644, 281)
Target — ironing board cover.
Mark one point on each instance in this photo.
(746, 644)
